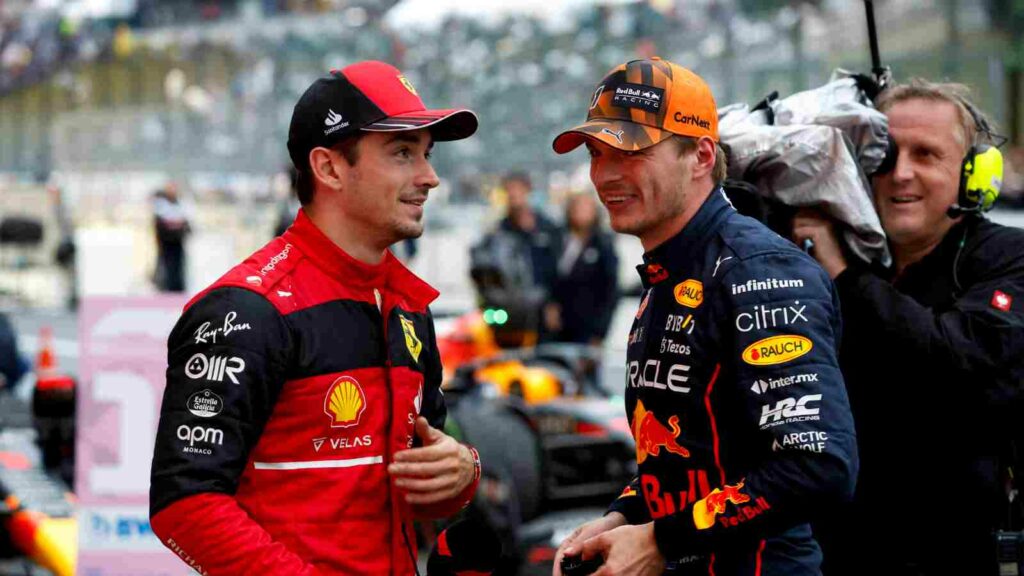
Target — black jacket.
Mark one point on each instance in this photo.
(934, 364)
(735, 399)
(588, 293)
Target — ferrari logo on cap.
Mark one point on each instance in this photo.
(411, 341)
(408, 85)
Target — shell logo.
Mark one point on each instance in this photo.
(689, 293)
(345, 402)
(777, 350)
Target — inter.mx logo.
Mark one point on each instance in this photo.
(761, 386)
(789, 410)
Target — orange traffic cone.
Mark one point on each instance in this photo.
(48, 377)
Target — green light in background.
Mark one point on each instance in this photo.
(489, 316)
(500, 316)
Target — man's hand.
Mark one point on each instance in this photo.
(572, 545)
(627, 551)
(812, 224)
(435, 472)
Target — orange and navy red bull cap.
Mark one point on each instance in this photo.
(643, 102)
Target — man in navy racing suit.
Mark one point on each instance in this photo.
(733, 391)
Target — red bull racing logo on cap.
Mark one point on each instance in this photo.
(651, 435)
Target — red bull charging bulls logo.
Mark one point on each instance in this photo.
(705, 511)
(651, 436)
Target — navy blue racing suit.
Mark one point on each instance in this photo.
(735, 399)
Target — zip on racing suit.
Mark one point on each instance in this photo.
(291, 382)
(735, 399)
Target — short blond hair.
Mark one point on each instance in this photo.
(954, 93)
(688, 144)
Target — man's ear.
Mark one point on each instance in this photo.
(704, 157)
(326, 167)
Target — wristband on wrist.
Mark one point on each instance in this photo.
(476, 462)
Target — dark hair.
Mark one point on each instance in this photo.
(516, 176)
(303, 177)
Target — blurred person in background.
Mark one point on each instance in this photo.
(733, 392)
(933, 351)
(300, 430)
(13, 365)
(586, 291)
(540, 241)
(172, 227)
(65, 254)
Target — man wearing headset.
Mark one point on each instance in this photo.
(933, 348)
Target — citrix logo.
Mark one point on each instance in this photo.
(763, 317)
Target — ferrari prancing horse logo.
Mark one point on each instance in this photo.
(411, 341)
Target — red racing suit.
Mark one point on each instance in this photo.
(291, 383)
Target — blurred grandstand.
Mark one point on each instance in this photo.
(111, 102)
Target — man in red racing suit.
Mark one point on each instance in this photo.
(300, 426)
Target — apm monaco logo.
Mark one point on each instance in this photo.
(345, 402)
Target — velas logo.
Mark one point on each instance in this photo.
(345, 402)
(707, 509)
(777, 350)
(1001, 301)
(651, 435)
(687, 119)
(412, 343)
(689, 293)
(408, 85)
